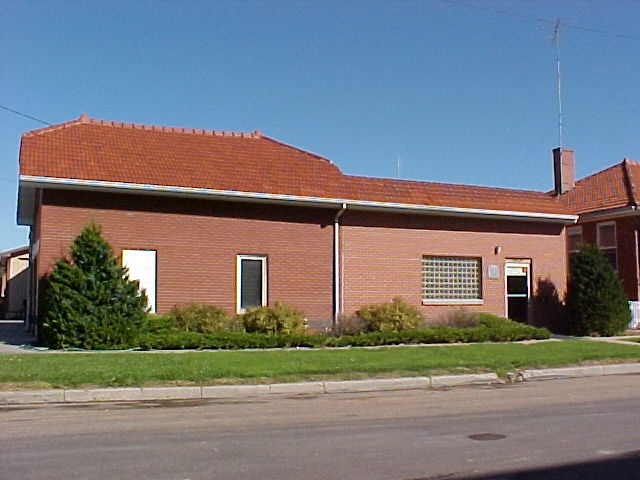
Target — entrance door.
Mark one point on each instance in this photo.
(518, 290)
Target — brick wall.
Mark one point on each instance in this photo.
(626, 228)
(382, 257)
(197, 243)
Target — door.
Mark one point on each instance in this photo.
(142, 267)
(518, 290)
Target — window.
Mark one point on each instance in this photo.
(251, 282)
(451, 279)
(607, 242)
(142, 267)
(574, 239)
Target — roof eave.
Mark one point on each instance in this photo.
(618, 212)
(28, 182)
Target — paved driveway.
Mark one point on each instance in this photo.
(13, 336)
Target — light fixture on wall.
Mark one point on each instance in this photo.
(497, 249)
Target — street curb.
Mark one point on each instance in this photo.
(134, 394)
(575, 372)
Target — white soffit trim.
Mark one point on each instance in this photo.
(149, 189)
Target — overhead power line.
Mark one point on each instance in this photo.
(540, 19)
(24, 115)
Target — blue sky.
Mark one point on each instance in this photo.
(460, 91)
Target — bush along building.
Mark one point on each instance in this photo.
(239, 220)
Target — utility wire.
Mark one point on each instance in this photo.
(23, 115)
(539, 19)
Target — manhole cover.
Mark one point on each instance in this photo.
(484, 437)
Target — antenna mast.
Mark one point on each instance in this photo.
(556, 41)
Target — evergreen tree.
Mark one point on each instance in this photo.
(596, 303)
(89, 301)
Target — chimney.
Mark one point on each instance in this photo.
(563, 169)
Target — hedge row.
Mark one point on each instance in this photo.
(492, 331)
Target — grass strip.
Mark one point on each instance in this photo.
(111, 369)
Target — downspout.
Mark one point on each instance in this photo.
(337, 284)
(27, 309)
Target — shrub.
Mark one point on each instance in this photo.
(489, 329)
(392, 316)
(203, 319)
(596, 303)
(459, 319)
(349, 325)
(175, 340)
(89, 301)
(160, 323)
(280, 318)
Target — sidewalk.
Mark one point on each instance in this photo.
(13, 336)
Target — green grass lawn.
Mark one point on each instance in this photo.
(76, 369)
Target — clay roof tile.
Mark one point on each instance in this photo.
(89, 149)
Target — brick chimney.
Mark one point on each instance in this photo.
(563, 170)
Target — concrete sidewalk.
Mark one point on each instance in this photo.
(14, 336)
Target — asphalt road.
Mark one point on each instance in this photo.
(579, 428)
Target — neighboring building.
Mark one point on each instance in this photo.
(238, 220)
(14, 281)
(607, 204)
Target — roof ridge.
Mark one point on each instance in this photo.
(50, 128)
(306, 152)
(84, 119)
(600, 172)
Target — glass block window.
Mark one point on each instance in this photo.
(451, 278)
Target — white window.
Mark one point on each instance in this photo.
(251, 282)
(451, 280)
(142, 267)
(607, 242)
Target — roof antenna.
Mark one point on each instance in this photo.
(398, 166)
(556, 41)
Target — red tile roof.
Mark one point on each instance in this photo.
(93, 150)
(611, 188)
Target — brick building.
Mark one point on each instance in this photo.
(609, 217)
(240, 219)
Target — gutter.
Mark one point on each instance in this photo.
(628, 211)
(28, 182)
